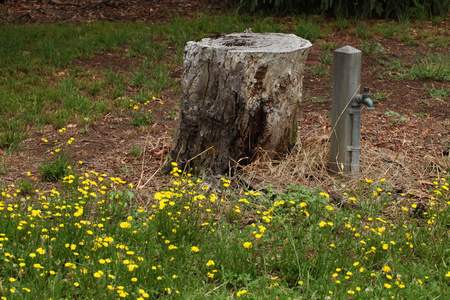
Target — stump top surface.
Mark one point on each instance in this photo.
(257, 42)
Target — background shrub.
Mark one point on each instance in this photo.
(389, 9)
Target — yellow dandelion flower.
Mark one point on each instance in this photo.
(386, 269)
(125, 225)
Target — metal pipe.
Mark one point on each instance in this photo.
(355, 147)
(355, 112)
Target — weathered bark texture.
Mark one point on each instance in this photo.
(240, 96)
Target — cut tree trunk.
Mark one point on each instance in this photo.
(240, 99)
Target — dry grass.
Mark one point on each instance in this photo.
(307, 164)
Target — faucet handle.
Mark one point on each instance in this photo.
(366, 92)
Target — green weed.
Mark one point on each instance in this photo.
(436, 67)
(319, 70)
(3, 168)
(397, 117)
(25, 186)
(171, 115)
(326, 57)
(56, 168)
(380, 96)
(12, 132)
(118, 83)
(437, 93)
(388, 30)
(308, 30)
(136, 151)
(142, 119)
(438, 41)
(364, 32)
(328, 46)
(372, 47)
(316, 99)
(342, 24)
(422, 114)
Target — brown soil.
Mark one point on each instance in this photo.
(409, 151)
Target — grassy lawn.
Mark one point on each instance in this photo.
(77, 233)
(89, 240)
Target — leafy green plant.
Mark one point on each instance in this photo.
(12, 135)
(317, 99)
(55, 169)
(136, 151)
(142, 119)
(435, 67)
(380, 96)
(26, 186)
(118, 83)
(171, 115)
(328, 46)
(342, 24)
(388, 30)
(422, 114)
(434, 93)
(326, 57)
(319, 70)
(364, 32)
(371, 47)
(439, 41)
(3, 168)
(308, 30)
(397, 116)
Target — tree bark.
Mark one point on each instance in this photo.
(240, 97)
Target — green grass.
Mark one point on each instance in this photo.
(88, 240)
(309, 30)
(436, 93)
(380, 96)
(320, 70)
(316, 99)
(364, 32)
(40, 58)
(435, 67)
(55, 168)
(388, 30)
(136, 151)
(3, 168)
(372, 47)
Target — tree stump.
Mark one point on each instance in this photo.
(240, 97)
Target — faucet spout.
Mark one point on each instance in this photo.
(367, 101)
(364, 98)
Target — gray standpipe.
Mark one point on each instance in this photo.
(346, 111)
